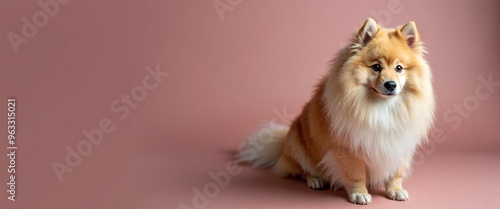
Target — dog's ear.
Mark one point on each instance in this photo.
(410, 33)
(367, 32)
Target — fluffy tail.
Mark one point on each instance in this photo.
(264, 148)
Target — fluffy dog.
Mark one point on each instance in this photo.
(364, 122)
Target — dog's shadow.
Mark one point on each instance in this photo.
(256, 180)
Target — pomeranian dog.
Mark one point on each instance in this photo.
(364, 122)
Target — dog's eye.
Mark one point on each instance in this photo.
(399, 69)
(377, 67)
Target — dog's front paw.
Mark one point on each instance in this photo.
(399, 194)
(360, 198)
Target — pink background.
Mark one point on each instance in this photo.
(227, 77)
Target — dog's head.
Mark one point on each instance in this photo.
(380, 81)
(386, 62)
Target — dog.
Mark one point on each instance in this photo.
(364, 122)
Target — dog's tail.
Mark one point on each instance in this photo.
(264, 148)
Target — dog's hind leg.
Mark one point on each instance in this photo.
(287, 167)
(313, 182)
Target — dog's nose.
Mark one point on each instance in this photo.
(390, 85)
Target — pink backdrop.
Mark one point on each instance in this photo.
(214, 76)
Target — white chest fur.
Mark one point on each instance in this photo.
(384, 134)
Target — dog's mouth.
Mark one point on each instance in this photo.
(384, 95)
